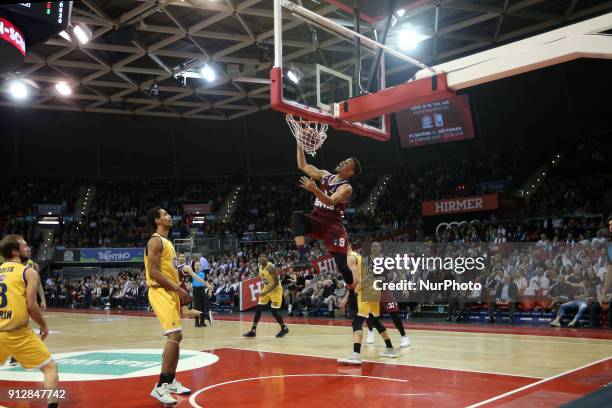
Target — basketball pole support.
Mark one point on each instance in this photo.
(383, 40)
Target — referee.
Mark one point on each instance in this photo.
(200, 295)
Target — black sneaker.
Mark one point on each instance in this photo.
(250, 334)
(13, 362)
(302, 263)
(283, 331)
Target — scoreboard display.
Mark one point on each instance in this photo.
(38, 21)
(51, 12)
(24, 25)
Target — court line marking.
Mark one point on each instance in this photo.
(538, 383)
(222, 319)
(386, 362)
(467, 335)
(198, 392)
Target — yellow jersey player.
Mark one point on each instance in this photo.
(165, 297)
(271, 294)
(368, 306)
(18, 284)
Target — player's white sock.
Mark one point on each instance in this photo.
(370, 337)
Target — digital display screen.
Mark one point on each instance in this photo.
(446, 120)
(52, 12)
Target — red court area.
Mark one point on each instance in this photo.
(243, 378)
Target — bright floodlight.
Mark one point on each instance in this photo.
(400, 13)
(208, 73)
(83, 34)
(63, 88)
(18, 90)
(408, 39)
(65, 36)
(293, 77)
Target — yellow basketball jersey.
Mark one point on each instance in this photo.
(266, 276)
(167, 265)
(13, 306)
(365, 288)
(359, 270)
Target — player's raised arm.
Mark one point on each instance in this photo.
(32, 279)
(342, 195)
(309, 169)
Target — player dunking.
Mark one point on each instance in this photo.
(368, 307)
(165, 296)
(271, 293)
(325, 220)
(18, 283)
(387, 304)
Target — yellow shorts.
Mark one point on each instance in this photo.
(364, 309)
(25, 346)
(167, 308)
(276, 297)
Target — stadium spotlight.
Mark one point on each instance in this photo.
(154, 89)
(208, 73)
(65, 36)
(181, 80)
(63, 88)
(82, 33)
(408, 39)
(293, 77)
(18, 89)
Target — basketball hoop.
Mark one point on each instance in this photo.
(309, 134)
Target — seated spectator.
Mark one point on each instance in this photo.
(579, 302)
(560, 292)
(506, 295)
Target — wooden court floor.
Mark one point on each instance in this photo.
(116, 356)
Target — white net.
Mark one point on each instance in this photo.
(309, 134)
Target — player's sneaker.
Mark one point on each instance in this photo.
(405, 342)
(162, 394)
(352, 359)
(370, 337)
(282, 332)
(250, 334)
(389, 353)
(177, 388)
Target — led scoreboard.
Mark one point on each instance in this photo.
(24, 25)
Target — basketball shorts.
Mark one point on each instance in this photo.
(332, 232)
(25, 346)
(388, 303)
(364, 309)
(275, 298)
(167, 308)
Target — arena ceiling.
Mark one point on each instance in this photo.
(136, 43)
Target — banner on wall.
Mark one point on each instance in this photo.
(249, 293)
(197, 208)
(324, 264)
(461, 205)
(99, 255)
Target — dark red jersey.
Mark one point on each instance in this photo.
(329, 187)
